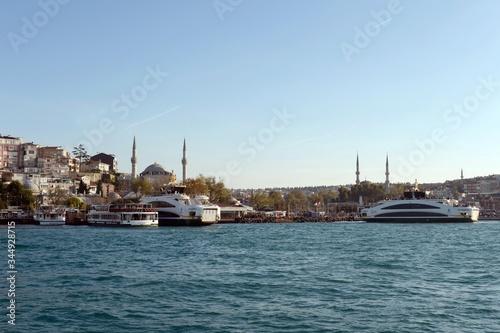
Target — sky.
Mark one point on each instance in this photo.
(266, 93)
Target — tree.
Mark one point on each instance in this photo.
(141, 186)
(314, 199)
(99, 187)
(57, 196)
(81, 153)
(158, 184)
(74, 202)
(217, 191)
(328, 196)
(344, 194)
(396, 190)
(370, 192)
(82, 188)
(17, 195)
(260, 201)
(276, 200)
(295, 200)
(118, 184)
(196, 186)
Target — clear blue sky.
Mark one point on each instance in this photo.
(269, 93)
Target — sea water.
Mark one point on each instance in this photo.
(296, 277)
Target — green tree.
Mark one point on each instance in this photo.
(295, 200)
(396, 190)
(314, 199)
(370, 192)
(74, 202)
(276, 200)
(328, 196)
(344, 194)
(99, 187)
(82, 188)
(217, 191)
(81, 153)
(141, 186)
(260, 200)
(17, 195)
(118, 185)
(195, 186)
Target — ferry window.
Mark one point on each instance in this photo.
(160, 204)
(411, 206)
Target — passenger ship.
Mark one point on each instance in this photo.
(175, 208)
(417, 207)
(50, 215)
(132, 215)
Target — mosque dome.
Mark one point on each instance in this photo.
(114, 196)
(155, 169)
(29, 185)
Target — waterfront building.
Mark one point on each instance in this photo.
(53, 161)
(10, 152)
(40, 184)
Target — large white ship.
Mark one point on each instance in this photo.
(175, 208)
(417, 207)
(131, 215)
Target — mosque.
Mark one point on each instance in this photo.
(387, 183)
(157, 172)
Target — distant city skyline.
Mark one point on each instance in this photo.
(266, 94)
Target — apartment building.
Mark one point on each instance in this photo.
(10, 153)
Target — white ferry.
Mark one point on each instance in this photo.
(132, 215)
(417, 207)
(178, 209)
(50, 215)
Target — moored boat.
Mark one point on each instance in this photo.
(175, 208)
(416, 206)
(49, 215)
(132, 215)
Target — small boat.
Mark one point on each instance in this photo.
(50, 215)
(131, 214)
(416, 206)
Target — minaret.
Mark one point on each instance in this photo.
(184, 162)
(387, 183)
(134, 160)
(462, 174)
(357, 169)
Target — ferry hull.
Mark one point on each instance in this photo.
(51, 222)
(419, 220)
(121, 224)
(184, 222)
(204, 217)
